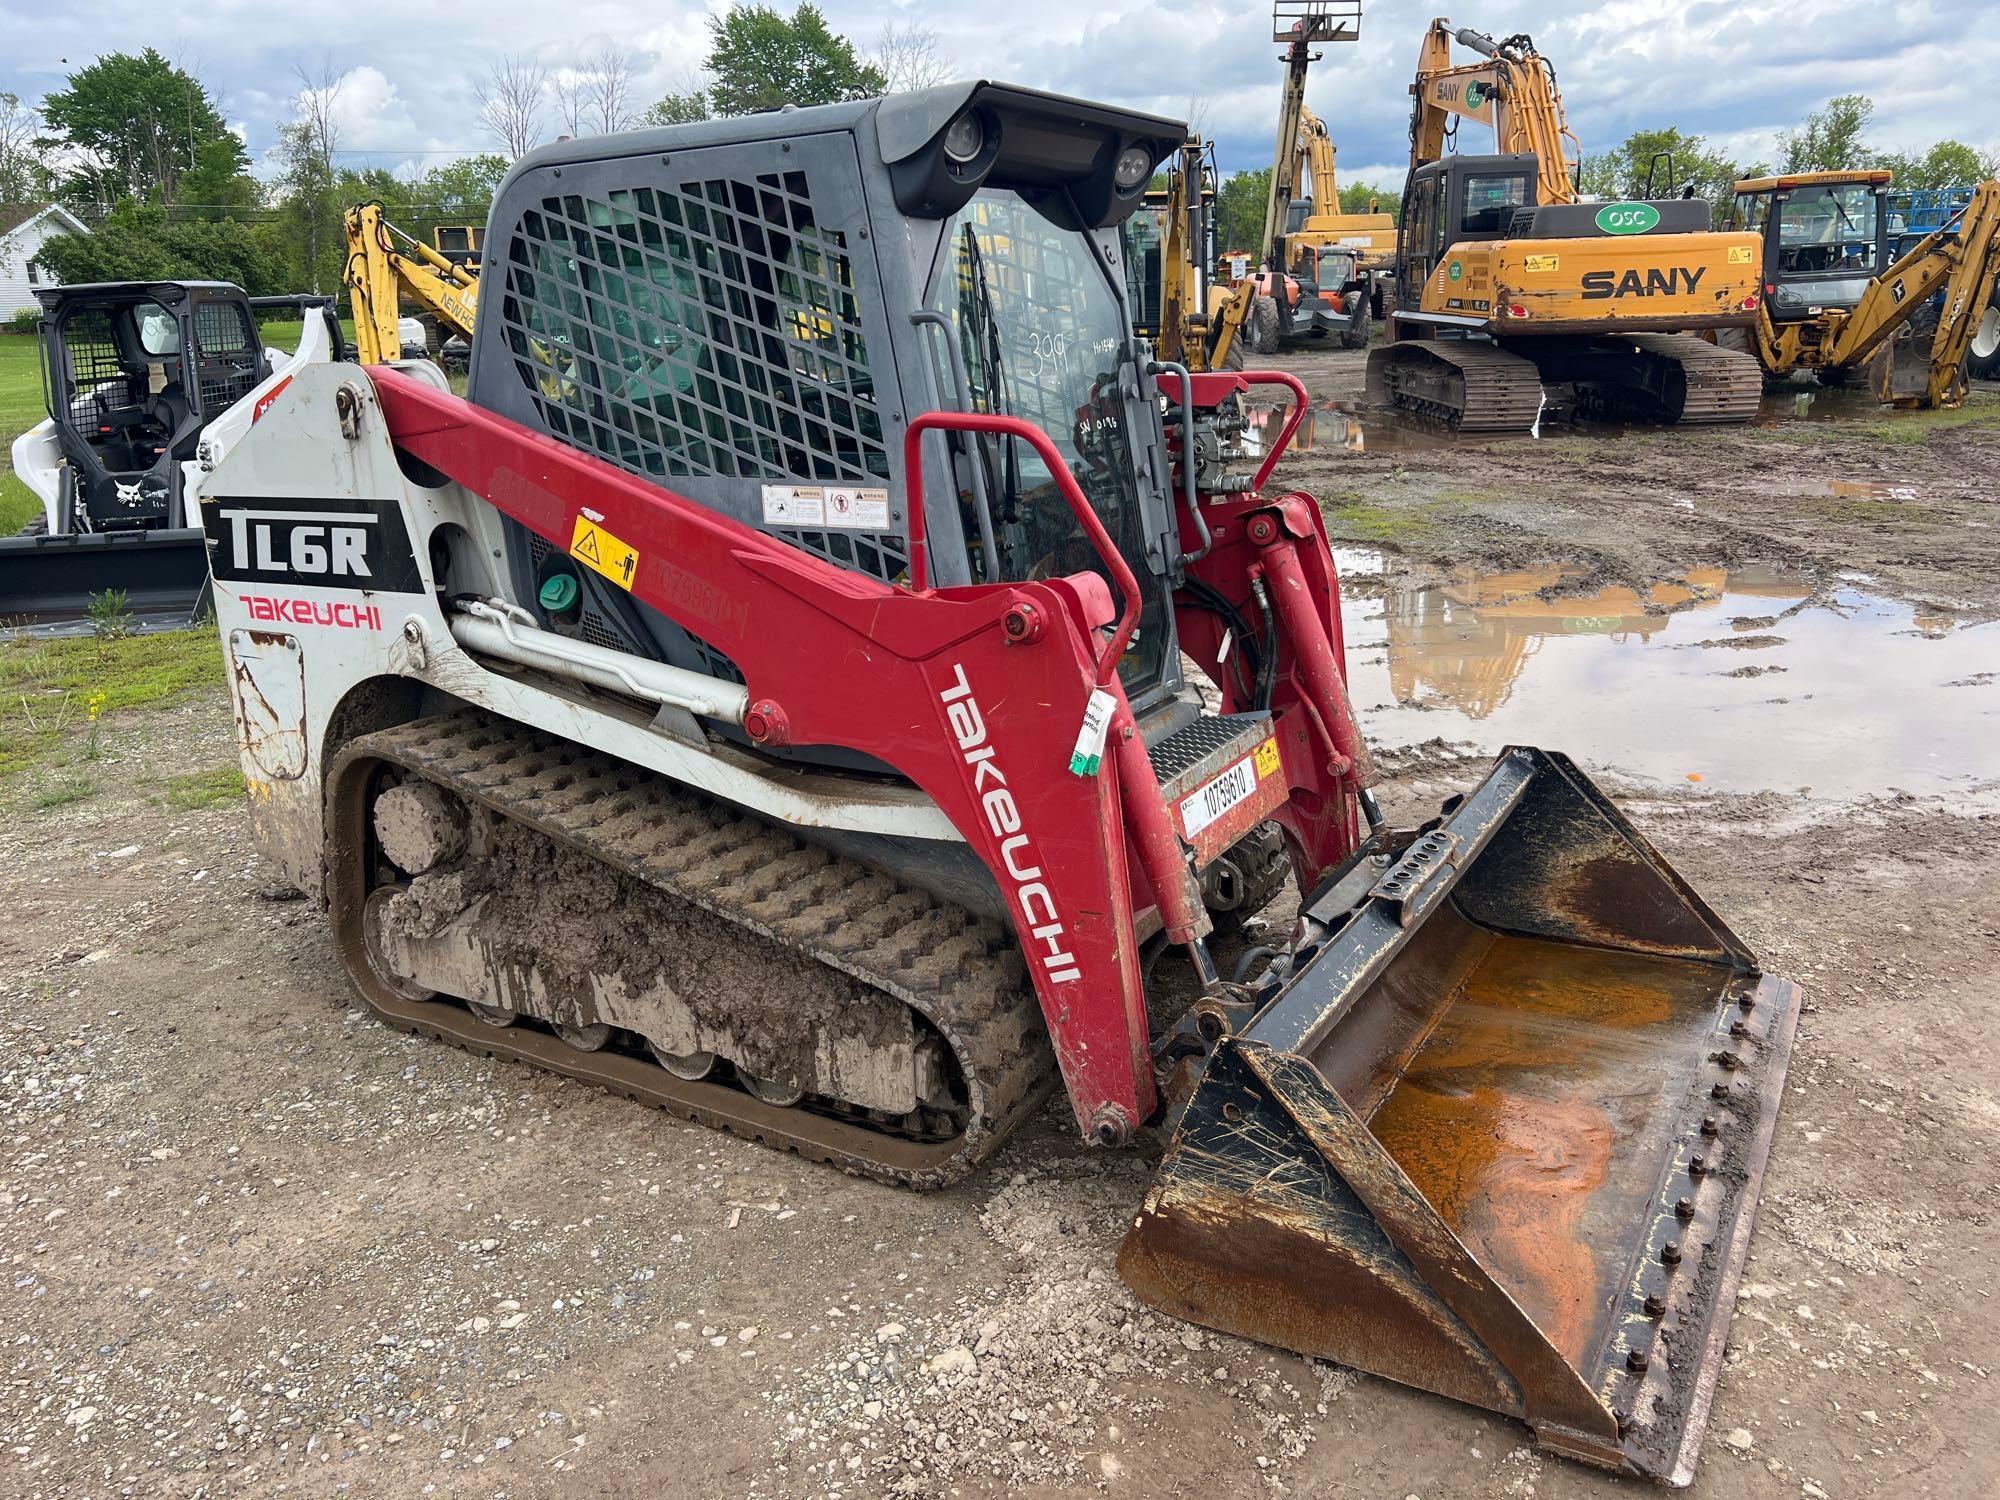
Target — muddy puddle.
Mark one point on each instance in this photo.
(1740, 680)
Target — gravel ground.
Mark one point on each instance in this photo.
(255, 1243)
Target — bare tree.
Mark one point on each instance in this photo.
(306, 149)
(24, 169)
(911, 57)
(1197, 117)
(611, 82)
(510, 103)
(571, 90)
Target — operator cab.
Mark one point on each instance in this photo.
(132, 372)
(748, 312)
(1826, 236)
(1456, 200)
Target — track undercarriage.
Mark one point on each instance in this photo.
(1474, 385)
(536, 901)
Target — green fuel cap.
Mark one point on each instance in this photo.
(559, 593)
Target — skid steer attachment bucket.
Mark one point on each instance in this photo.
(1499, 1133)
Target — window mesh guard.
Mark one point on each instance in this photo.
(100, 385)
(708, 328)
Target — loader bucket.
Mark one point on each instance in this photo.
(1499, 1134)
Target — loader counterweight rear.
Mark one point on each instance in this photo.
(763, 696)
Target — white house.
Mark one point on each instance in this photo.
(23, 229)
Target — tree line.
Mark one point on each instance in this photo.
(138, 145)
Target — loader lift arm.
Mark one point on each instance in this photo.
(383, 264)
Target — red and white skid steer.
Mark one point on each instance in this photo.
(762, 694)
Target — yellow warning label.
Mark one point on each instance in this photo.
(1267, 759)
(602, 552)
(1544, 262)
(1739, 255)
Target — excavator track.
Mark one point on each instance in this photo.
(774, 895)
(1717, 385)
(1467, 385)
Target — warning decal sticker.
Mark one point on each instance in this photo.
(601, 552)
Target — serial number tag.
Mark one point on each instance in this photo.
(1204, 805)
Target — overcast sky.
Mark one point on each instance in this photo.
(1737, 71)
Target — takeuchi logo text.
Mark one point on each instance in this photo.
(313, 612)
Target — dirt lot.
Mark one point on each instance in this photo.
(256, 1243)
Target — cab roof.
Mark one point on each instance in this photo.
(1875, 177)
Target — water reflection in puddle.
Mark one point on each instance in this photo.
(1715, 678)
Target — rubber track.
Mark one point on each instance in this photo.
(1497, 391)
(1723, 385)
(963, 973)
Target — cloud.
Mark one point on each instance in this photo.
(1737, 71)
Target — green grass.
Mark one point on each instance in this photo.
(20, 409)
(46, 685)
(60, 791)
(199, 789)
(1352, 518)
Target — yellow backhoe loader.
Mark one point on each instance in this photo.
(384, 265)
(1200, 321)
(1317, 221)
(1834, 302)
(1512, 290)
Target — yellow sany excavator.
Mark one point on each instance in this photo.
(384, 264)
(1834, 301)
(1511, 290)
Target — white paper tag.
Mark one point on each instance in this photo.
(794, 505)
(1207, 803)
(1089, 752)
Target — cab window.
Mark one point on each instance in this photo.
(1828, 228)
(159, 330)
(1490, 199)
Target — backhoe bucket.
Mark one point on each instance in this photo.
(1499, 1134)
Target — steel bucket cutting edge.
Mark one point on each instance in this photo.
(1498, 1135)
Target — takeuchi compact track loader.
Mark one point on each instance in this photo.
(766, 694)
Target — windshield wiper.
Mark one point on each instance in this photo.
(992, 373)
